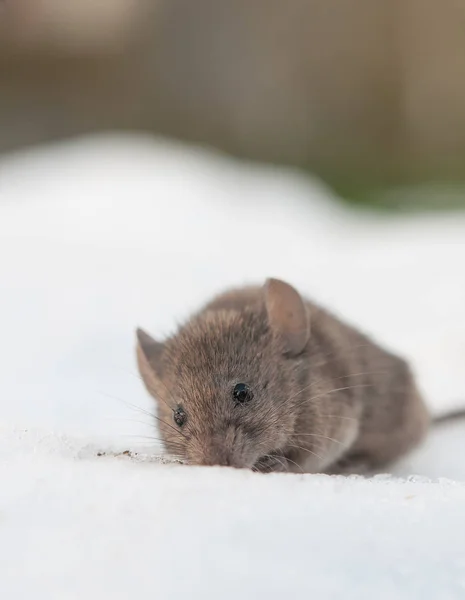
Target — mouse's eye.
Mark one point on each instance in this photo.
(242, 393)
(179, 417)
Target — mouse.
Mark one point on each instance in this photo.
(263, 378)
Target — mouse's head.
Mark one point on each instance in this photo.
(225, 382)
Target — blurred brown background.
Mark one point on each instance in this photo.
(366, 93)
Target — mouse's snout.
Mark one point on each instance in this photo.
(224, 450)
(221, 461)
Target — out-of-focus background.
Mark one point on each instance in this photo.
(369, 94)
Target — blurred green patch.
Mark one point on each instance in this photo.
(419, 196)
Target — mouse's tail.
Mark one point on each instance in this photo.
(453, 415)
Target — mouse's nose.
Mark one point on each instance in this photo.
(219, 457)
(236, 463)
(221, 460)
(223, 449)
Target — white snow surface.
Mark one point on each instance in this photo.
(102, 234)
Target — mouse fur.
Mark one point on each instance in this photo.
(322, 397)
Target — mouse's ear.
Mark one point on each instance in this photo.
(149, 360)
(287, 315)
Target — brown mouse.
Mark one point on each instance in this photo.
(261, 378)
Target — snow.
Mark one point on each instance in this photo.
(102, 234)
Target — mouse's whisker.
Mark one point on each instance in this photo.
(159, 396)
(142, 437)
(178, 433)
(350, 375)
(264, 467)
(148, 424)
(138, 376)
(174, 443)
(317, 435)
(334, 391)
(145, 412)
(281, 462)
(335, 355)
(272, 418)
(155, 392)
(339, 417)
(316, 361)
(129, 404)
(317, 381)
(297, 465)
(277, 458)
(301, 391)
(306, 450)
